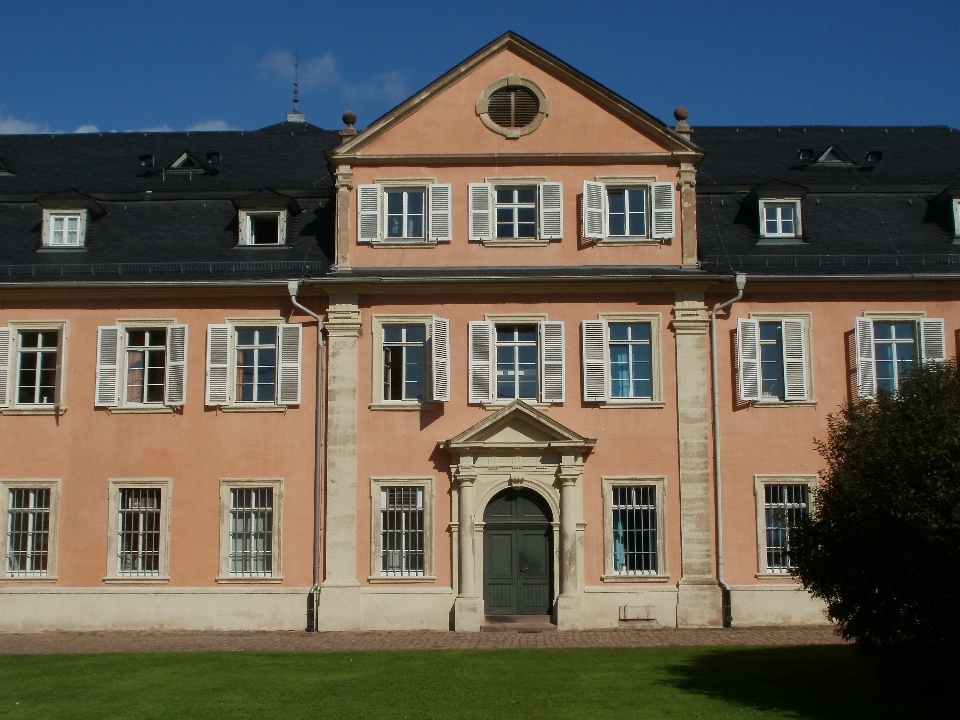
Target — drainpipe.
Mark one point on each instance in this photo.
(741, 281)
(313, 596)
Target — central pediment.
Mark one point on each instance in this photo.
(518, 426)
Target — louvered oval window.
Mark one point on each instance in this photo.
(513, 106)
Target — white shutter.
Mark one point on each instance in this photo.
(593, 336)
(551, 362)
(288, 385)
(664, 223)
(866, 366)
(594, 197)
(748, 358)
(481, 212)
(6, 355)
(108, 366)
(218, 364)
(58, 376)
(481, 361)
(794, 360)
(440, 360)
(933, 340)
(368, 213)
(440, 199)
(551, 211)
(175, 380)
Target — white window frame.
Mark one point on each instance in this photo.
(378, 323)
(246, 227)
(47, 235)
(917, 317)
(655, 321)
(548, 211)
(608, 483)
(760, 483)
(807, 320)
(228, 484)
(424, 214)
(797, 227)
(114, 485)
(626, 182)
(376, 486)
(14, 406)
(437, 212)
(21, 484)
(233, 405)
(123, 406)
(625, 188)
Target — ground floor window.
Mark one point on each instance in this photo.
(139, 529)
(634, 527)
(28, 532)
(251, 532)
(401, 544)
(784, 506)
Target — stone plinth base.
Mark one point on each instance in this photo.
(339, 606)
(466, 614)
(699, 604)
(569, 612)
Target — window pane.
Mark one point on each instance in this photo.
(635, 530)
(415, 226)
(395, 226)
(392, 333)
(415, 203)
(526, 195)
(504, 195)
(245, 336)
(395, 203)
(267, 336)
(527, 333)
(617, 201)
(619, 331)
(640, 331)
(415, 333)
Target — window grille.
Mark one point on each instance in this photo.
(784, 507)
(635, 530)
(146, 365)
(251, 532)
(37, 379)
(402, 531)
(403, 362)
(517, 362)
(138, 544)
(28, 533)
(256, 364)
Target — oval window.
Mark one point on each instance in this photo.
(513, 106)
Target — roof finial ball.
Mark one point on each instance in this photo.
(349, 118)
(681, 114)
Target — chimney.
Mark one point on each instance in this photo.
(681, 114)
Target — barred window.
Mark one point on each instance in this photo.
(635, 530)
(28, 532)
(784, 507)
(402, 531)
(138, 541)
(251, 532)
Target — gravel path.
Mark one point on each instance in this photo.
(179, 641)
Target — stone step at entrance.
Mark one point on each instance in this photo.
(517, 623)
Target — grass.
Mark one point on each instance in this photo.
(823, 682)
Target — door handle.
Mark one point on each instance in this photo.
(523, 570)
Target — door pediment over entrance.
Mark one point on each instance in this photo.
(521, 427)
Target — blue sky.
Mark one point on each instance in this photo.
(108, 66)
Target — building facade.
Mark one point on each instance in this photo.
(455, 369)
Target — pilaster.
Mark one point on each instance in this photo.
(570, 600)
(339, 606)
(344, 181)
(688, 214)
(467, 604)
(699, 598)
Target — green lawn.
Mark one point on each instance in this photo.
(670, 682)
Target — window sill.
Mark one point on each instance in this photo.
(635, 578)
(632, 404)
(264, 246)
(60, 249)
(27, 579)
(404, 244)
(252, 408)
(249, 580)
(404, 406)
(34, 410)
(524, 242)
(620, 242)
(401, 580)
(784, 403)
(141, 410)
(785, 578)
(780, 240)
(151, 580)
(500, 404)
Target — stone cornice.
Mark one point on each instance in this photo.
(498, 159)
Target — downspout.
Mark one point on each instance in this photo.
(741, 281)
(313, 596)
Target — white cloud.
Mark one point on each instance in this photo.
(323, 72)
(210, 125)
(87, 129)
(10, 125)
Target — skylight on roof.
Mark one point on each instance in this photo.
(185, 162)
(834, 156)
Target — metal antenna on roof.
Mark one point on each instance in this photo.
(296, 116)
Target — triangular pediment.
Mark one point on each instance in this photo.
(518, 426)
(582, 115)
(834, 156)
(186, 162)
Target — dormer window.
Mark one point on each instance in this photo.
(874, 156)
(779, 218)
(263, 227)
(146, 161)
(64, 229)
(213, 158)
(805, 154)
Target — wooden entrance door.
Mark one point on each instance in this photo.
(517, 555)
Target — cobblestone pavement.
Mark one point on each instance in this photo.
(179, 641)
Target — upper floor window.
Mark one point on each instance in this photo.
(779, 218)
(516, 360)
(403, 362)
(888, 349)
(263, 361)
(31, 367)
(516, 212)
(621, 355)
(64, 229)
(414, 361)
(772, 357)
(263, 227)
(141, 366)
(631, 361)
(628, 209)
(392, 213)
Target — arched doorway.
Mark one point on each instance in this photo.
(517, 554)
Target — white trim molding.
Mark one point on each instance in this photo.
(608, 483)
(377, 484)
(8, 485)
(114, 486)
(276, 530)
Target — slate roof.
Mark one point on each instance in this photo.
(865, 218)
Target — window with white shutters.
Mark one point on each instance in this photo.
(625, 211)
(254, 365)
(772, 359)
(391, 213)
(404, 362)
(888, 349)
(517, 360)
(621, 359)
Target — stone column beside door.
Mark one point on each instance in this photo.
(467, 604)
